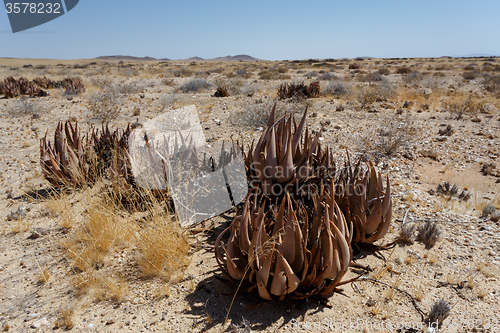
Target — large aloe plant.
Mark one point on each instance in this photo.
(65, 162)
(286, 160)
(293, 250)
(361, 197)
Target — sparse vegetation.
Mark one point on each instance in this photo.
(299, 90)
(337, 88)
(256, 115)
(11, 88)
(105, 104)
(106, 248)
(73, 86)
(195, 85)
(429, 234)
(26, 106)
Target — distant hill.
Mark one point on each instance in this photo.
(240, 57)
(194, 59)
(475, 55)
(129, 58)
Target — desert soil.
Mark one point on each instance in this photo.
(462, 268)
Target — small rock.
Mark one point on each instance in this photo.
(425, 91)
(489, 109)
(399, 111)
(30, 316)
(38, 232)
(39, 323)
(408, 154)
(448, 130)
(20, 213)
(407, 104)
(476, 120)
(371, 302)
(91, 325)
(110, 321)
(429, 153)
(314, 115)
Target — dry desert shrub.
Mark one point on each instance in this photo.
(101, 83)
(257, 114)
(182, 72)
(375, 92)
(468, 107)
(104, 105)
(406, 234)
(167, 100)
(273, 74)
(491, 83)
(469, 75)
(98, 286)
(133, 87)
(403, 70)
(195, 85)
(328, 77)
(243, 73)
(27, 106)
(394, 136)
(337, 87)
(491, 212)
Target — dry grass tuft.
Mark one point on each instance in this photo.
(419, 293)
(480, 292)
(96, 285)
(378, 274)
(429, 233)
(65, 319)
(486, 268)
(164, 249)
(406, 234)
(163, 291)
(58, 206)
(44, 276)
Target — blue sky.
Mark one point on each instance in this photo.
(272, 30)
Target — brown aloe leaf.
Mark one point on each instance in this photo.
(292, 280)
(278, 285)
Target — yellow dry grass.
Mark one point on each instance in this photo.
(111, 231)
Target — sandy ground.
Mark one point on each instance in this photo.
(462, 268)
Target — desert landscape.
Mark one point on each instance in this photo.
(97, 256)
